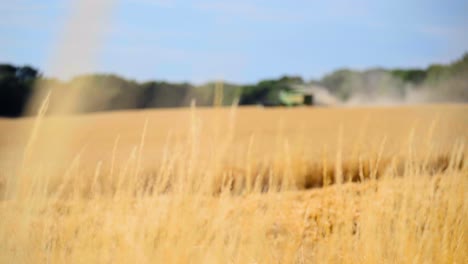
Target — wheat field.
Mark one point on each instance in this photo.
(237, 185)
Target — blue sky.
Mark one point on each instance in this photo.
(241, 40)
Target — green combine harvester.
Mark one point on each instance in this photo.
(295, 98)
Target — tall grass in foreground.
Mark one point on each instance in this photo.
(196, 207)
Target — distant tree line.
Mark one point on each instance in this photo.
(105, 92)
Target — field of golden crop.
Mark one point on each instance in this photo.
(237, 185)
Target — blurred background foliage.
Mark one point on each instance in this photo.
(105, 92)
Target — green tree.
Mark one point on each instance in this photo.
(16, 84)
